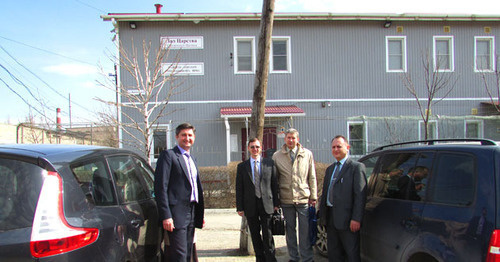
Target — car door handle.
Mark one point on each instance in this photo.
(136, 223)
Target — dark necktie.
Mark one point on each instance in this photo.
(292, 155)
(334, 177)
(256, 174)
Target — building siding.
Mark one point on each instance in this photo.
(340, 62)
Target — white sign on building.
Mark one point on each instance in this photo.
(182, 42)
(184, 69)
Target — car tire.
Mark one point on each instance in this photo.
(321, 244)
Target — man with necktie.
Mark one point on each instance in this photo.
(257, 199)
(179, 194)
(297, 182)
(342, 203)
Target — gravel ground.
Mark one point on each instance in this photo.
(220, 239)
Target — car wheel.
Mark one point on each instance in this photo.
(321, 241)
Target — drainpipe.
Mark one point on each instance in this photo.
(228, 141)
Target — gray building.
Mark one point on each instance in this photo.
(329, 74)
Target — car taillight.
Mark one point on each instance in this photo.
(494, 247)
(51, 234)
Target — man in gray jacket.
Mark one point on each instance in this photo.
(298, 190)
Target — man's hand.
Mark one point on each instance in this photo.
(276, 209)
(168, 224)
(355, 226)
(312, 202)
(241, 213)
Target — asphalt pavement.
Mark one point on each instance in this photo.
(219, 240)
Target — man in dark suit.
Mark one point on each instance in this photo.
(257, 198)
(179, 195)
(342, 203)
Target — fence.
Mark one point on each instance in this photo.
(219, 183)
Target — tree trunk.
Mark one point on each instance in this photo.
(261, 76)
(260, 89)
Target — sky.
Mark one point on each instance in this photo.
(53, 53)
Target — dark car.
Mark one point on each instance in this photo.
(76, 203)
(437, 200)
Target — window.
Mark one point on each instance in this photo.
(473, 129)
(432, 131)
(484, 60)
(244, 55)
(280, 58)
(95, 182)
(370, 165)
(357, 138)
(20, 185)
(454, 182)
(129, 179)
(161, 141)
(443, 54)
(396, 53)
(402, 176)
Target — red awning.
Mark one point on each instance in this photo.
(271, 111)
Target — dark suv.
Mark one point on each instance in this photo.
(437, 200)
(76, 203)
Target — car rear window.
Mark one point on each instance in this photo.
(20, 185)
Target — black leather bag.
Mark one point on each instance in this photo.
(278, 223)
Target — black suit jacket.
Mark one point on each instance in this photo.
(349, 195)
(245, 188)
(173, 189)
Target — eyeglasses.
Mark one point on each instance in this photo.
(254, 147)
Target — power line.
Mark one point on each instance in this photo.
(47, 51)
(26, 102)
(35, 75)
(92, 7)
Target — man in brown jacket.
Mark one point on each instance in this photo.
(298, 190)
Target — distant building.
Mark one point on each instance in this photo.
(26, 133)
(329, 74)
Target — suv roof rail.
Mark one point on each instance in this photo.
(484, 142)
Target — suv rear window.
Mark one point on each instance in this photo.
(20, 185)
(454, 182)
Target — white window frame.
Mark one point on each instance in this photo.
(235, 52)
(451, 48)
(365, 126)
(480, 127)
(420, 131)
(288, 55)
(168, 142)
(492, 59)
(403, 55)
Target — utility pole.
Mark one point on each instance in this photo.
(117, 91)
(259, 94)
(262, 74)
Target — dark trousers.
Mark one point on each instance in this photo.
(262, 245)
(181, 240)
(343, 245)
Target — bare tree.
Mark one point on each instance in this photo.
(435, 81)
(491, 81)
(262, 74)
(142, 104)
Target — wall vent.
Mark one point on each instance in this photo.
(399, 29)
(446, 29)
(487, 29)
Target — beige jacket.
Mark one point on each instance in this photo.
(298, 181)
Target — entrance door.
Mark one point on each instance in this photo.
(269, 143)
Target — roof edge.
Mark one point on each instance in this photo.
(197, 17)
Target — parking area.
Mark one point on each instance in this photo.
(220, 239)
